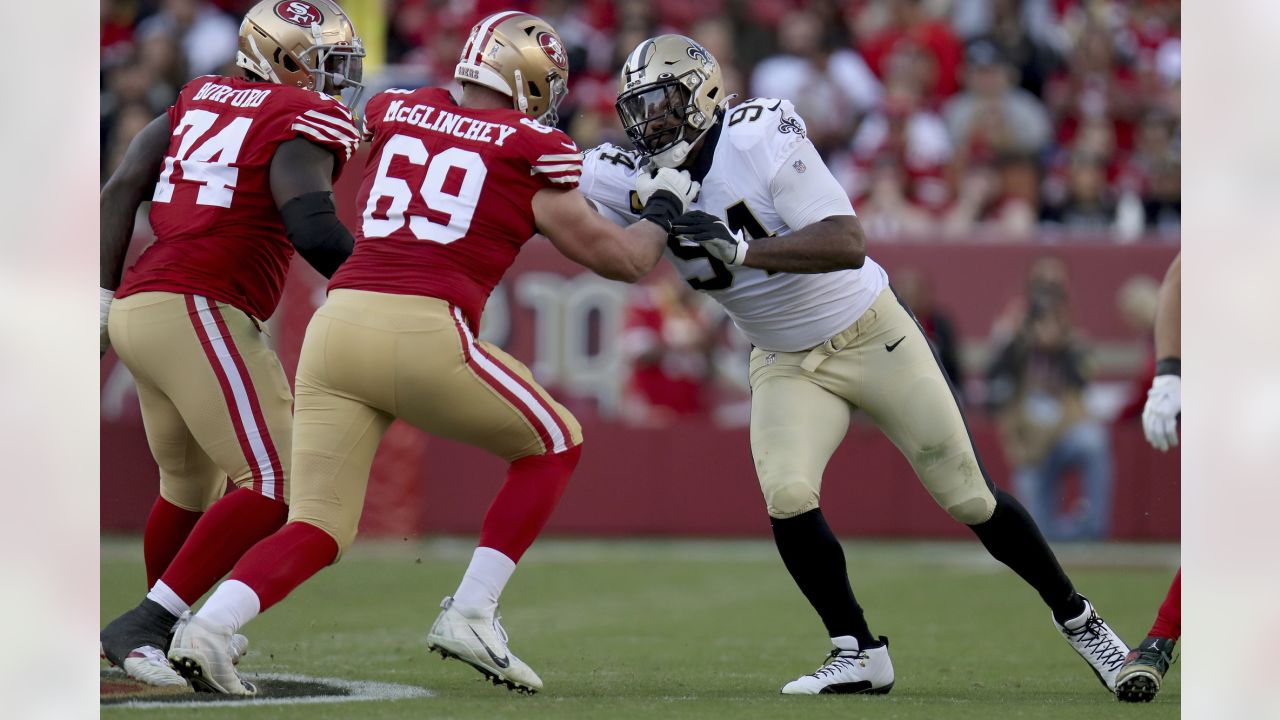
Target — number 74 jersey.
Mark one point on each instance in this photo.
(762, 176)
(447, 198)
(218, 232)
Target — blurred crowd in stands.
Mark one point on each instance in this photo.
(1018, 120)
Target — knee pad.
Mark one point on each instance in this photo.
(973, 511)
(957, 484)
(790, 498)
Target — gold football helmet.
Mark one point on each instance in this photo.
(520, 56)
(669, 96)
(307, 43)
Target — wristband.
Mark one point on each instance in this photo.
(662, 209)
(1169, 366)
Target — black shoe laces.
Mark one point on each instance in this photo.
(1099, 643)
(839, 660)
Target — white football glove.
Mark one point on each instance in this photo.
(677, 182)
(1160, 416)
(104, 309)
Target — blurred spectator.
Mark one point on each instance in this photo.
(1025, 31)
(668, 345)
(1084, 203)
(907, 30)
(1036, 386)
(992, 115)
(1154, 172)
(885, 210)
(908, 131)
(208, 36)
(996, 202)
(1095, 85)
(838, 86)
(914, 289)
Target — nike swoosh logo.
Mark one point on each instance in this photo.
(571, 146)
(891, 348)
(501, 662)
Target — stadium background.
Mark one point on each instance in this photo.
(967, 207)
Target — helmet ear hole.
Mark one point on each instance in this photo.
(289, 64)
(533, 89)
(713, 92)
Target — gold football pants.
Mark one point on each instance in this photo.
(215, 400)
(883, 365)
(369, 358)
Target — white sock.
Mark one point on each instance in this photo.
(845, 642)
(232, 605)
(168, 599)
(484, 580)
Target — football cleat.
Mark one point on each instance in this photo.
(476, 637)
(848, 671)
(1097, 643)
(201, 653)
(239, 648)
(1139, 680)
(136, 642)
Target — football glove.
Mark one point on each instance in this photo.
(1160, 416)
(664, 193)
(713, 234)
(105, 297)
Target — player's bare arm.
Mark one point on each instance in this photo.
(591, 240)
(1164, 399)
(1168, 328)
(834, 243)
(301, 185)
(127, 188)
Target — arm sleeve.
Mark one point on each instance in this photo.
(312, 225)
(804, 190)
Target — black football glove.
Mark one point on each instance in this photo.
(713, 234)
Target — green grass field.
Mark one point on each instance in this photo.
(691, 629)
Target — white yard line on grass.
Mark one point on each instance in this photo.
(358, 691)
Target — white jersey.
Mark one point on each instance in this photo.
(765, 178)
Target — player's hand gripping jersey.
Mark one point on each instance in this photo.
(447, 198)
(764, 178)
(218, 232)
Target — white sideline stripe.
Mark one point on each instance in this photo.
(500, 374)
(566, 179)
(240, 395)
(559, 158)
(336, 122)
(556, 168)
(360, 691)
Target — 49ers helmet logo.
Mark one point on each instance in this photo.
(554, 49)
(302, 14)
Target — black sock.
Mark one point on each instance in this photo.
(1011, 536)
(815, 560)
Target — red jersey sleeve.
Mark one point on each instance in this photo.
(324, 121)
(554, 159)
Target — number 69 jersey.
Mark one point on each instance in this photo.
(218, 232)
(764, 177)
(447, 197)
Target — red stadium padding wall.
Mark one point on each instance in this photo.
(693, 478)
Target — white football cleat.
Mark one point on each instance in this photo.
(202, 654)
(149, 665)
(848, 670)
(1097, 643)
(476, 637)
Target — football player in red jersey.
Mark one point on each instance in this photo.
(239, 173)
(452, 192)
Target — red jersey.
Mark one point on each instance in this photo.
(218, 232)
(447, 196)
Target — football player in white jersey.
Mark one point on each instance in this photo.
(775, 240)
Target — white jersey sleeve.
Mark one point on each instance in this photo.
(609, 179)
(805, 191)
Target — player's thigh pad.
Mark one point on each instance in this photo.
(795, 427)
(335, 434)
(907, 395)
(225, 386)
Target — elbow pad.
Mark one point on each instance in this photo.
(312, 225)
